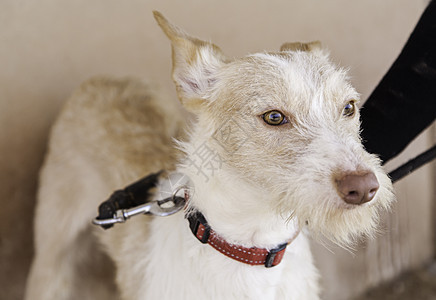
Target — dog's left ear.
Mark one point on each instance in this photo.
(315, 45)
(195, 64)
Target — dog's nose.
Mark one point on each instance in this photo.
(357, 188)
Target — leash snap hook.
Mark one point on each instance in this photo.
(121, 215)
(161, 208)
(170, 205)
(135, 200)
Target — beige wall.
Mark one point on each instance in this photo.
(48, 47)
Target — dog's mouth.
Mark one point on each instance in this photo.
(347, 206)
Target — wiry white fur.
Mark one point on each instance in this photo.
(265, 184)
(321, 143)
(196, 79)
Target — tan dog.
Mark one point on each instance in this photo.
(274, 149)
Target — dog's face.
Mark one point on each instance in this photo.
(286, 122)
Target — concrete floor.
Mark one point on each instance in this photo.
(417, 285)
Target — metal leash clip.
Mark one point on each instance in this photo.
(161, 208)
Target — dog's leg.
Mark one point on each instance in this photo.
(79, 271)
(68, 263)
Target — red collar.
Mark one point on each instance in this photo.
(252, 256)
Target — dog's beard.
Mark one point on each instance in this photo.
(342, 226)
(326, 215)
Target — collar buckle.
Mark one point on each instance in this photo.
(199, 226)
(275, 256)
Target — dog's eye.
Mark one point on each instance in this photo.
(349, 109)
(274, 118)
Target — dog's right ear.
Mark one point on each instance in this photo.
(297, 46)
(195, 64)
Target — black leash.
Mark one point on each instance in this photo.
(404, 102)
(135, 199)
(413, 164)
(133, 195)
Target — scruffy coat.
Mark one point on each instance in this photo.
(257, 186)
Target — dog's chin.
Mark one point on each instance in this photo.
(342, 223)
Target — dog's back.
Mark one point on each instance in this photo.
(110, 132)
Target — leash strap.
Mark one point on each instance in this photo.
(133, 195)
(404, 102)
(413, 164)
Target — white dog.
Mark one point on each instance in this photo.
(274, 149)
